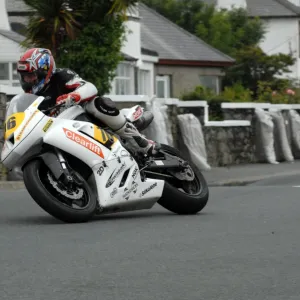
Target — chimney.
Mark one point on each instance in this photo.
(132, 44)
(4, 23)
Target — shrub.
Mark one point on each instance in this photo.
(199, 93)
(237, 93)
(283, 94)
(206, 94)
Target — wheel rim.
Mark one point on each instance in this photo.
(191, 187)
(76, 198)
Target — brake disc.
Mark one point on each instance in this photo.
(186, 174)
(73, 195)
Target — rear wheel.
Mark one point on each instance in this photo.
(183, 196)
(71, 205)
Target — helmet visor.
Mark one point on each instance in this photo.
(30, 79)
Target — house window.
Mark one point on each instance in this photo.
(163, 87)
(4, 71)
(211, 82)
(8, 74)
(123, 82)
(14, 72)
(144, 82)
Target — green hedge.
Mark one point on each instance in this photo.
(238, 93)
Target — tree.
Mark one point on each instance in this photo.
(51, 24)
(233, 33)
(95, 54)
(224, 30)
(84, 35)
(254, 66)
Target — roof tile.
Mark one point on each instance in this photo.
(173, 42)
(268, 8)
(12, 35)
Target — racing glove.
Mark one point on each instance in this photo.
(69, 99)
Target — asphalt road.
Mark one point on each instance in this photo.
(245, 245)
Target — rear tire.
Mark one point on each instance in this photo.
(35, 184)
(180, 202)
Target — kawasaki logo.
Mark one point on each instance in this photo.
(151, 187)
(114, 175)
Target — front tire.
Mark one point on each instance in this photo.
(43, 188)
(180, 202)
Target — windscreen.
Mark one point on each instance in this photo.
(20, 103)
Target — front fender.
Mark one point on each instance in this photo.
(52, 162)
(66, 137)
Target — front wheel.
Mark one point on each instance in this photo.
(70, 206)
(184, 197)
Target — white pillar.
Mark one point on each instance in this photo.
(4, 23)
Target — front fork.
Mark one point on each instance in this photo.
(68, 180)
(59, 167)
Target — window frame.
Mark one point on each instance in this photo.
(11, 72)
(144, 82)
(120, 77)
(217, 78)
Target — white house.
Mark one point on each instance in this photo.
(160, 58)
(281, 18)
(123, 83)
(138, 75)
(10, 49)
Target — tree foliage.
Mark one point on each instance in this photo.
(231, 32)
(95, 54)
(51, 24)
(254, 66)
(85, 35)
(224, 30)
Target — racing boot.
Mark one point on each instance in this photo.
(134, 141)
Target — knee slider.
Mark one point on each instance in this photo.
(106, 106)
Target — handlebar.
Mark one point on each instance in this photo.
(48, 98)
(53, 107)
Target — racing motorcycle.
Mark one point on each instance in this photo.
(74, 168)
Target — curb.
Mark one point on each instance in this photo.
(17, 185)
(11, 185)
(249, 180)
(233, 183)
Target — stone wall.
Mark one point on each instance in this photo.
(230, 145)
(2, 117)
(238, 114)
